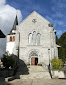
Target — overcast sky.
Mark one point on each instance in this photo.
(52, 10)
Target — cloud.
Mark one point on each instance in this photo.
(64, 25)
(2, 2)
(7, 17)
(49, 19)
(58, 5)
(55, 22)
(59, 32)
(60, 22)
(57, 14)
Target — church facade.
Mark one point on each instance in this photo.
(33, 40)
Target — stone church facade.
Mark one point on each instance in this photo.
(33, 40)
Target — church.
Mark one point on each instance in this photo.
(33, 40)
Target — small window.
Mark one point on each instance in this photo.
(10, 38)
(13, 38)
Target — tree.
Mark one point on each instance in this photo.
(8, 61)
(62, 50)
(56, 63)
(57, 40)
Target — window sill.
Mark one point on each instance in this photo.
(34, 45)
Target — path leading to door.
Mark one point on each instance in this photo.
(36, 69)
(36, 72)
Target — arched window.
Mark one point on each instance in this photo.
(30, 39)
(10, 38)
(38, 39)
(34, 38)
(13, 38)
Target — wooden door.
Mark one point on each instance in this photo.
(33, 61)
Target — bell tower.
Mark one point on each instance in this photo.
(10, 45)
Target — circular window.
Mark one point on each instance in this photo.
(34, 21)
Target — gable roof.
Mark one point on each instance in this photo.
(2, 34)
(34, 13)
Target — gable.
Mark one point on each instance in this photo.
(34, 22)
(34, 17)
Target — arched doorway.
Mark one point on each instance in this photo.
(34, 58)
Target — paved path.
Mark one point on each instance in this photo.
(35, 72)
(35, 82)
(38, 82)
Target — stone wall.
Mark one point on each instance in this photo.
(58, 74)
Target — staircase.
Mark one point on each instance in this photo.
(34, 72)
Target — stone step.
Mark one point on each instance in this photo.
(32, 69)
(33, 72)
(36, 68)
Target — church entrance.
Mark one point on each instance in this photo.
(34, 58)
(34, 61)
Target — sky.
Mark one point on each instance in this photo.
(53, 10)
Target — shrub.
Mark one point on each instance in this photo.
(28, 64)
(39, 64)
(56, 63)
(8, 61)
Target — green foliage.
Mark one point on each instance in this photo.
(8, 61)
(56, 63)
(62, 50)
(39, 64)
(28, 64)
